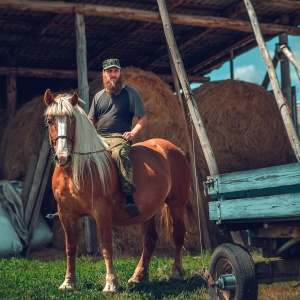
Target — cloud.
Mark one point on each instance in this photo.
(249, 73)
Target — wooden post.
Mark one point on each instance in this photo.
(37, 190)
(195, 115)
(28, 180)
(83, 89)
(83, 86)
(288, 122)
(11, 95)
(39, 171)
(286, 78)
(266, 80)
(290, 56)
(200, 206)
(38, 202)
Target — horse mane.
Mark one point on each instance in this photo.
(86, 141)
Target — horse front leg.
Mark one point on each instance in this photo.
(104, 224)
(150, 237)
(70, 228)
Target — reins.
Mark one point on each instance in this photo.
(98, 151)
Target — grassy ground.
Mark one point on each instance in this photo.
(37, 279)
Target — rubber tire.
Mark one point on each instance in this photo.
(234, 259)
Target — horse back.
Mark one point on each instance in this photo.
(158, 162)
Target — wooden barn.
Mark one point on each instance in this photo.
(61, 45)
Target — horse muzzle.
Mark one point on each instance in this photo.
(62, 161)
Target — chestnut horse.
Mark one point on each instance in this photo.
(85, 183)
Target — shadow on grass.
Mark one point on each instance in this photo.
(166, 288)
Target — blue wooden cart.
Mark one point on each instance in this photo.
(266, 204)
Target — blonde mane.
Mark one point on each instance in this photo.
(86, 141)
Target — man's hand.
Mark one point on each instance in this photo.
(128, 136)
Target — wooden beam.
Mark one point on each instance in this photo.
(279, 3)
(198, 79)
(83, 86)
(46, 73)
(66, 74)
(60, 7)
(270, 207)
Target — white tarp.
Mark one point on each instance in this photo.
(13, 232)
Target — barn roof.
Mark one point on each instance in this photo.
(40, 35)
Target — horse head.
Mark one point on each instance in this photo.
(60, 120)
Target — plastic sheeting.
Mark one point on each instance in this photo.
(13, 232)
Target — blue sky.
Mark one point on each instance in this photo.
(251, 67)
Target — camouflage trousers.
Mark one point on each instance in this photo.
(120, 150)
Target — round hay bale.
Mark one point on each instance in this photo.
(22, 138)
(244, 126)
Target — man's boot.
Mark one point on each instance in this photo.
(53, 216)
(130, 208)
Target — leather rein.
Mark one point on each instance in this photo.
(53, 140)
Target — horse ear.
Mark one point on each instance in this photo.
(74, 99)
(48, 97)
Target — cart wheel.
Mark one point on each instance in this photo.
(242, 283)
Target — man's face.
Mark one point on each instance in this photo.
(112, 74)
(112, 80)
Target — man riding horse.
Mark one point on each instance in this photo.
(112, 112)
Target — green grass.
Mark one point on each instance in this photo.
(22, 278)
(25, 278)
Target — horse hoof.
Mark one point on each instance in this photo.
(176, 277)
(110, 288)
(67, 286)
(136, 279)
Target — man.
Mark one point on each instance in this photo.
(112, 112)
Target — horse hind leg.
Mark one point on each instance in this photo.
(178, 231)
(150, 237)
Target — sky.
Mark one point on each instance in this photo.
(251, 66)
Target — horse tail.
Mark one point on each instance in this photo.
(166, 221)
(190, 221)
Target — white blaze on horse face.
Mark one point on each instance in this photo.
(62, 143)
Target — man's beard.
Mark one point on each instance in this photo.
(113, 87)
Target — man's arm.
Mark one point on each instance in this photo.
(141, 123)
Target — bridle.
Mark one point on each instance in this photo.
(71, 139)
(53, 140)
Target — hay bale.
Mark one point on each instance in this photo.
(22, 138)
(244, 126)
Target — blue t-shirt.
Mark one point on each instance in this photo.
(114, 113)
